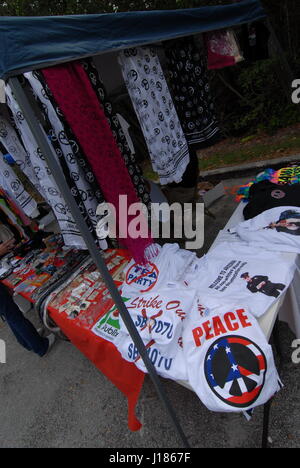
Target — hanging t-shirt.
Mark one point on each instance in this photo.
(168, 266)
(276, 230)
(243, 274)
(266, 195)
(230, 365)
(159, 316)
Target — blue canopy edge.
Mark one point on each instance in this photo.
(29, 43)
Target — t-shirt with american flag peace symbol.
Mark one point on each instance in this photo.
(230, 364)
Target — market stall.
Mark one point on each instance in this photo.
(79, 160)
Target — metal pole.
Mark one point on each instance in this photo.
(48, 152)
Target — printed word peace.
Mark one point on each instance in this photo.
(216, 326)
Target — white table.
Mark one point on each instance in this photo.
(287, 307)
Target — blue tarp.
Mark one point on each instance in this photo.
(28, 43)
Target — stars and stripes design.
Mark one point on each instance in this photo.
(235, 370)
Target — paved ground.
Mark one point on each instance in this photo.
(64, 401)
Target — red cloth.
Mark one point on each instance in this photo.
(104, 355)
(77, 100)
(124, 375)
(221, 50)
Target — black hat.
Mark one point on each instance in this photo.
(244, 275)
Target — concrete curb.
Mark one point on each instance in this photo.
(245, 169)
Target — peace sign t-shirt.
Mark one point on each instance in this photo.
(230, 365)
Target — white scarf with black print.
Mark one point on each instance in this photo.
(14, 187)
(157, 115)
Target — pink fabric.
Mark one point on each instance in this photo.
(77, 100)
(221, 49)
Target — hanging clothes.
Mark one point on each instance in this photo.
(191, 90)
(15, 207)
(80, 188)
(157, 115)
(125, 128)
(222, 49)
(10, 182)
(117, 131)
(77, 100)
(50, 191)
(9, 219)
(68, 138)
(10, 140)
(255, 37)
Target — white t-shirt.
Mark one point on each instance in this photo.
(230, 365)
(171, 368)
(242, 274)
(168, 266)
(159, 316)
(277, 229)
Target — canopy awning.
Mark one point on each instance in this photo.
(28, 43)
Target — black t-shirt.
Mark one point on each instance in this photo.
(266, 195)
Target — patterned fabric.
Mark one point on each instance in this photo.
(49, 189)
(14, 187)
(154, 107)
(68, 138)
(114, 123)
(11, 142)
(285, 175)
(191, 91)
(77, 100)
(79, 187)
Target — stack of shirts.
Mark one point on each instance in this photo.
(158, 301)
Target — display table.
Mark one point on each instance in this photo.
(84, 311)
(287, 307)
(91, 305)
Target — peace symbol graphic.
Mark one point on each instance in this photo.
(52, 191)
(235, 370)
(3, 132)
(278, 194)
(60, 208)
(15, 185)
(75, 176)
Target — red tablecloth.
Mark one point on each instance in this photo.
(79, 328)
